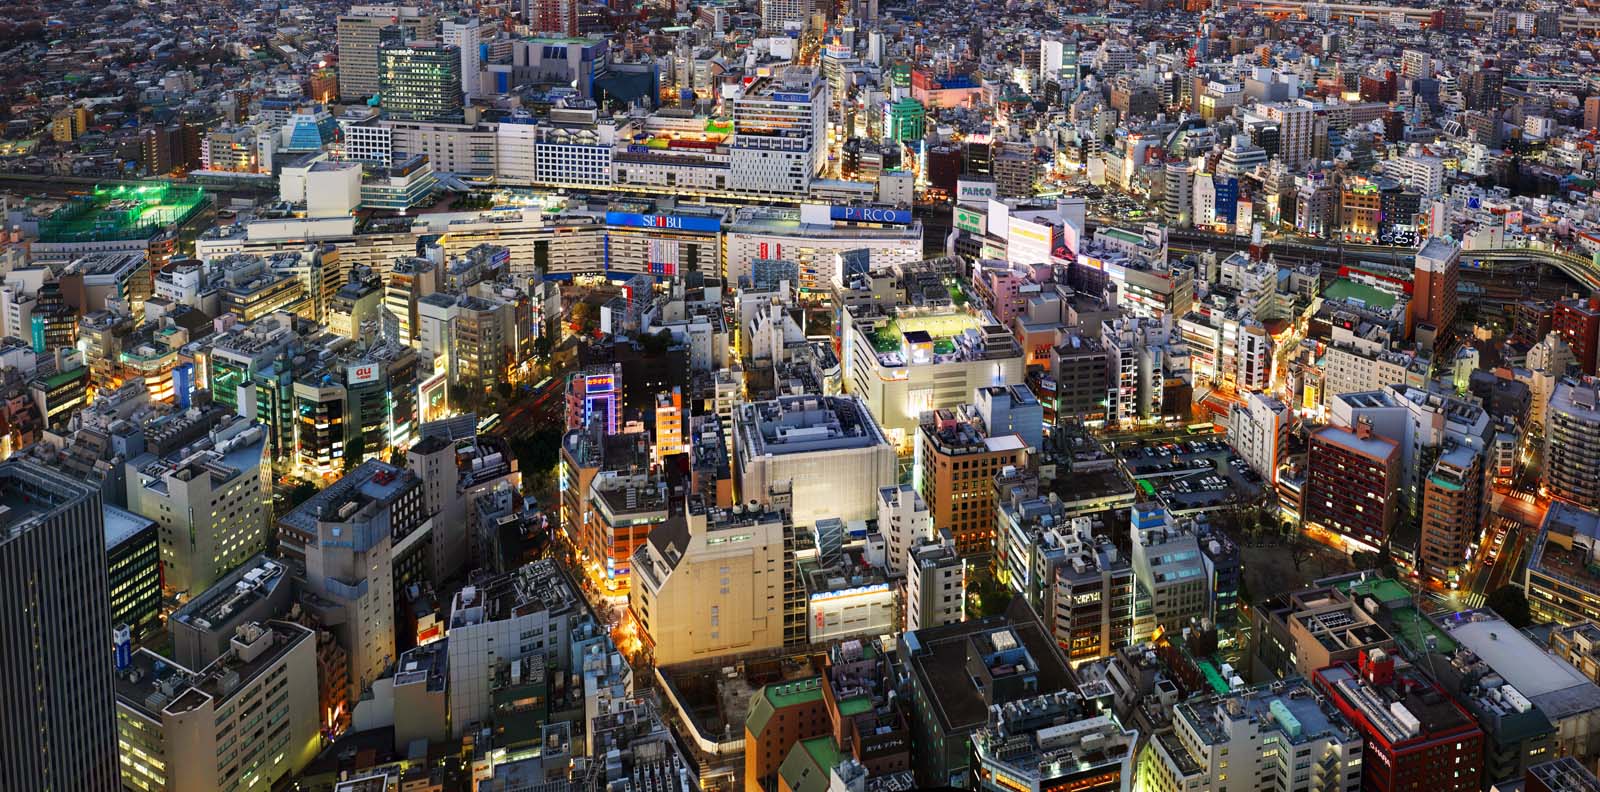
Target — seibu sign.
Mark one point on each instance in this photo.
(870, 214)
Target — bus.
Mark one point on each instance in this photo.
(488, 422)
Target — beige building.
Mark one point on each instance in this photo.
(213, 504)
(245, 723)
(713, 582)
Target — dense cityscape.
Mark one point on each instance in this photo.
(799, 396)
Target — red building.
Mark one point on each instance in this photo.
(1417, 738)
(1578, 322)
(1352, 483)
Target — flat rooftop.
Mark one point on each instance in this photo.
(938, 657)
(805, 424)
(1552, 684)
(122, 525)
(1345, 290)
(1300, 714)
(154, 684)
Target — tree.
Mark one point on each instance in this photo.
(355, 452)
(1511, 604)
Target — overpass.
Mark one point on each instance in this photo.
(1570, 22)
(1580, 269)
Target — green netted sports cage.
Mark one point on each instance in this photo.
(122, 211)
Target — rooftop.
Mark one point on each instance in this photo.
(122, 525)
(1568, 547)
(939, 656)
(254, 580)
(153, 685)
(1296, 710)
(804, 424)
(1346, 290)
(1409, 710)
(1551, 683)
(539, 586)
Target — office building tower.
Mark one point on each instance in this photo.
(212, 499)
(1436, 294)
(781, 136)
(1080, 373)
(420, 81)
(905, 522)
(348, 536)
(247, 721)
(1353, 485)
(1177, 208)
(56, 703)
(466, 34)
(955, 465)
(827, 448)
(1168, 570)
(1259, 431)
(936, 578)
(527, 618)
(133, 563)
(1572, 444)
(360, 33)
(551, 17)
(779, 16)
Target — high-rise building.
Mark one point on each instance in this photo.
(781, 136)
(420, 81)
(1416, 736)
(1591, 113)
(528, 617)
(466, 35)
(905, 522)
(133, 564)
(1177, 201)
(1353, 484)
(1259, 431)
(778, 16)
(1080, 368)
(58, 706)
(360, 33)
(346, 535)
(1572, 444)
(213, 501)
(1435, 295)
(936, 579)
(954, 469)
(1454, 505)
(1578, 322)
(1170, 574)
(552, 17)
(247, 721)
